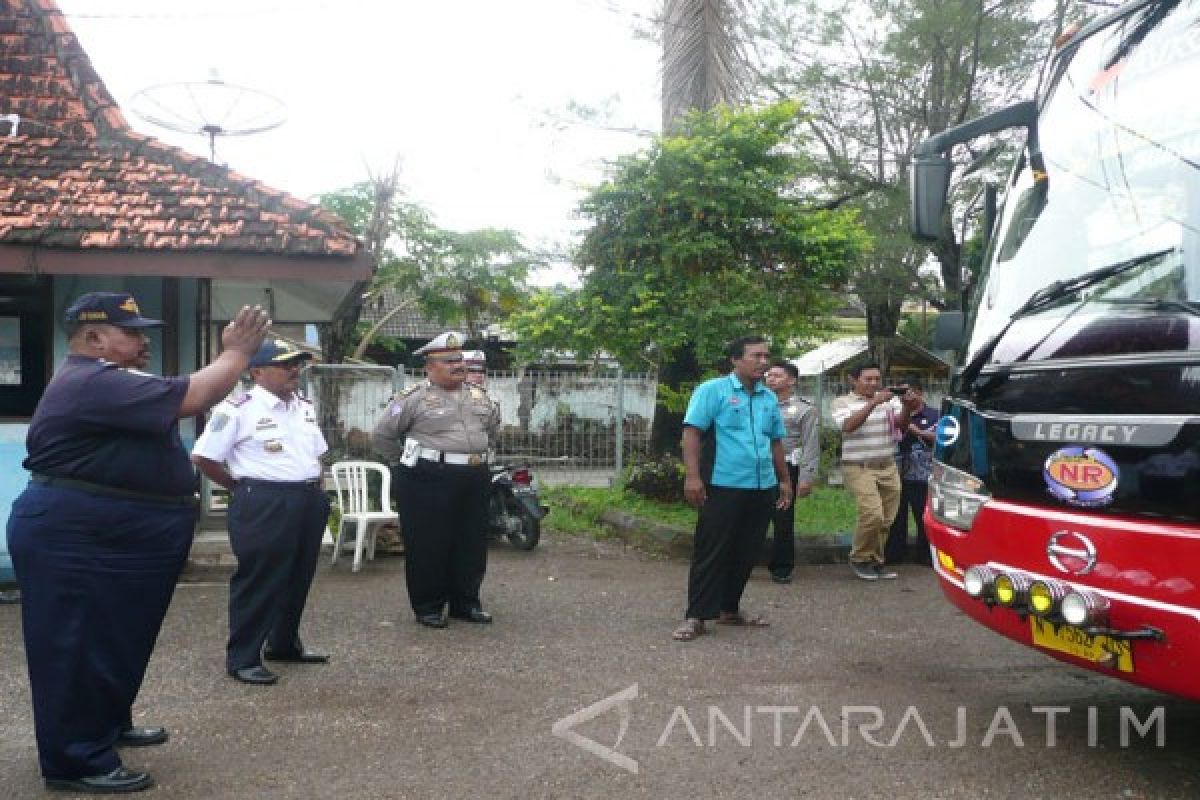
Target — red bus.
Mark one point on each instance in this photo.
(1064, 505)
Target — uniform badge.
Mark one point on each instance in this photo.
(273, 446)
(476, 394)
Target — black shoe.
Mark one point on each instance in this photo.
(781, 577)
(141, 737)
(476, 615)
(432, 620)
(303, 657)
(259, 675)
(118, 781)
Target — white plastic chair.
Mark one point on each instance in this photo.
(352, 481)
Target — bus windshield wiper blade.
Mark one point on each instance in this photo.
(1059, 289)
(1157, 304)
(1047, 295)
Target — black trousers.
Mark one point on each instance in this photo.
(783, 534)
(96, 577)
(275, 531)
(912, 501)
(443, 519)
(730, 532)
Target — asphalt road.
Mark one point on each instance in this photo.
(857, 690)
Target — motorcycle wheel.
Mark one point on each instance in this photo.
(531, 529)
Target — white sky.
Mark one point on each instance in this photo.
(470, 94)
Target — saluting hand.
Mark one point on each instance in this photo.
(246, 331)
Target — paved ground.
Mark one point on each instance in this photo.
(405, 712)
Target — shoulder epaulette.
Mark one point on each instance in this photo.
(239, 399)
(407, 390)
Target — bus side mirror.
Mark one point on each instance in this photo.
(948, 330)
(928, 186)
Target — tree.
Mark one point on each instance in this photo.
(442, 274)
(703, 65)
(878, 78)
(703, 237)
(374, 211)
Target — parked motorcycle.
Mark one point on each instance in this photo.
(513, 509)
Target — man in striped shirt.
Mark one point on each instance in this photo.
(869, 418)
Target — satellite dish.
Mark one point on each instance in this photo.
(212, 108)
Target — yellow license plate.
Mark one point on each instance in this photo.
(1078, 643)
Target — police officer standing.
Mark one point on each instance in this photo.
(265, 447)
(435, 435)
(101, 534)
(476, 361)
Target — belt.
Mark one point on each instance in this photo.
(872, 463)
(461, 459)
(311, 483)
(184, 501)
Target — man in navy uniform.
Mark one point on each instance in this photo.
(265, 447)
(435, 434)
(101, 534)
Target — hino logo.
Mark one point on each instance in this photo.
(1071, 552)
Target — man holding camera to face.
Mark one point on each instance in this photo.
(872, 419)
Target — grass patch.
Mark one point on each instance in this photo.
(577, 510)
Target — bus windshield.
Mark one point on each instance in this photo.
(1120, 137)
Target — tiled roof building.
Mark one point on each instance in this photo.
(75, 177)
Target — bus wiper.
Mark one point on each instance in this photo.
(1047, 295)
(1060, 289)
(1157, 304)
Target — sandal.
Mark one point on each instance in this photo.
(689, 630)
(741, 620)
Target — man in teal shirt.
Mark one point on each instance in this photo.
(737, 477)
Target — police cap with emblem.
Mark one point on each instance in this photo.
(108, 308)
(448, 342)
(275, 352)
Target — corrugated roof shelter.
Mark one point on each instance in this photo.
(841, 354)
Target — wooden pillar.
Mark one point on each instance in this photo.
(170, 336)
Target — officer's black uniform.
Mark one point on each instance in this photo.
(98, 540)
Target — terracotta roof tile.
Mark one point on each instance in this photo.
(76, 175)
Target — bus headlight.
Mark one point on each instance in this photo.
(1084, 608)
(978, 582)
(1012, 590)
(1045, 597)
(955, 497)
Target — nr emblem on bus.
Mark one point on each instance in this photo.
(1081, 476)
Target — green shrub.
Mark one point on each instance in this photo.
(831, 450)
(660, 479)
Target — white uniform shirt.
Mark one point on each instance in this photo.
(259, 436)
